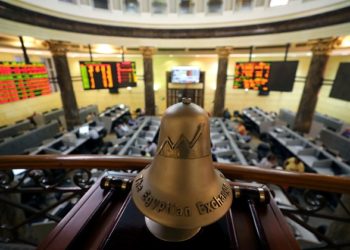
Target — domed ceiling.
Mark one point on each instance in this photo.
(177, 23)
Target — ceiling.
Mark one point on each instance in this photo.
(214, 29)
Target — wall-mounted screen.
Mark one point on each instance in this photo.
(341, 84)
(126, 74)
(108, 75)
(185, 74)
(265, 76)
(97, 75)
(282, 75)
(20, 81)
(252, 75)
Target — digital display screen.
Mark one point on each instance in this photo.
(252, 75)
(96, 75)
(185, 74)
(108, 75)
(282, 75)
(265, 76)
(341, 85)
(19, 81)
(126, 74)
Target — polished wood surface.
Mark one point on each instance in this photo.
(231, 171)
(120, 225)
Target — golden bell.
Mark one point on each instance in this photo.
(180, 191)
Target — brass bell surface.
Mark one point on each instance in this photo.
(180, 191)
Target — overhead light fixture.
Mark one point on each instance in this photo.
(274, 3)
(345, 42)
(104, 49)
(156, 87)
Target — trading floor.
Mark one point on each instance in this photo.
(175, 124)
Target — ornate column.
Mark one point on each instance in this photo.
(219, 99)
(147, 53)
(307, 105)
(70, 107)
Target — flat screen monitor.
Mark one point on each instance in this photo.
(282, 75)
(185, 74)
(341, 85)
(18, 171)
(108, 75)
(252, 75)
(84, 131)
(19, 81)
(265, 76)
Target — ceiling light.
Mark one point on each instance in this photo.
(345, 42)
(274, 3)
(156, 87)
(104, 48)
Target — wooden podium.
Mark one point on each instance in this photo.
(110, 220)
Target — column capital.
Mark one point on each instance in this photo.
(223, 52)
(58, 48)
(148, 52)
(325, 46)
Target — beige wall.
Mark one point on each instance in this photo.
(235, 99)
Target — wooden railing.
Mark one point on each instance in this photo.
(279, 177)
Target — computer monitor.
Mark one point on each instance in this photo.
(18, 171)
(185, 74)
(84, 131)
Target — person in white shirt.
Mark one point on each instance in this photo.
(269, 161)
(93, 134)
(151, 148)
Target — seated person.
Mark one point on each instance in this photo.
(90, 117)
(294, 164)
(243, 132)
(139, 112)
(241, 129)
(93, 134)
(263, 150)
(119, 130)
(151, 148)
(143, 153)
(346, 133)
(124, 127)
(226, 114)
(270, 161)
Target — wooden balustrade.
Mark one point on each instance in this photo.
(269, 176)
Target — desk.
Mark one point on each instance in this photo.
(111, 116)
(122, 226)
(315, 158)
(58, 147)
(14, 129)
(259, 118)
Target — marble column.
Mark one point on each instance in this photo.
(147, 53)
(314, 79)
(59, 53)
(219, 99)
